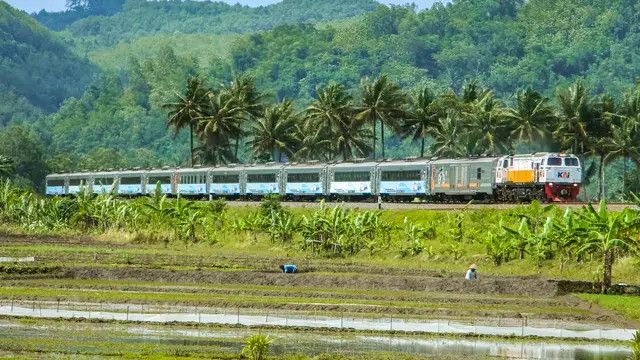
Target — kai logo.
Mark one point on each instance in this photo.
(563, 174)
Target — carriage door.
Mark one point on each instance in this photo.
(465, 175)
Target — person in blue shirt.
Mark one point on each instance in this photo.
(472, 274)
(288, 268)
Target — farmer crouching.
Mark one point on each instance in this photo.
(472, 274)
(288, 268)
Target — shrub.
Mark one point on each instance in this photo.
(257, 347)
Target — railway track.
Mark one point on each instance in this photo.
(420, 205)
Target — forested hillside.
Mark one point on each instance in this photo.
(37, 71)
(506, 45)
(143, 18)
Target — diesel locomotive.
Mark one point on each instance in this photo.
(548, 177)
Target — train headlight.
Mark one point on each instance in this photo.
(576, 185)
(550, 184)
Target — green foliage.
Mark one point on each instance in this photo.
(24, 149)
(143, 18)
(32, 58)
(635, 347)
(257, 347)
(416, 236)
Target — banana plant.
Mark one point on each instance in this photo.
(608, 235)
(497, 245)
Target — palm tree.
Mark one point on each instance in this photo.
(6, 166)
(274, 132)
(624, 143)
(486, 128)
(576, 114)
(381, 100)
(313, 143)
(423, 117)
(243, 88)
(351, 138)
(446, 138)
(187, 108)
(531, 117)
(600, 130)
(331, 109)
(219, 123)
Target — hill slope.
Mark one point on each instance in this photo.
(144, 18)
(37, 71)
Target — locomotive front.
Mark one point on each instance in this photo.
(561, 175)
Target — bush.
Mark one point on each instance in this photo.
(257, 347)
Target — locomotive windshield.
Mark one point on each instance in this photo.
(554, 161)
(571, 162)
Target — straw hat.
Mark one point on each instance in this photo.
(473, 266)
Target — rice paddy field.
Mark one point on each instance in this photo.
(112, 293)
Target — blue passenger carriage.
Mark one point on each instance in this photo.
(305, 181)
(403, 179)
(262, 180)
(225, 181)
(352, 180)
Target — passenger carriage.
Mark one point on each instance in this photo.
(462, 179)
(225, 181)
(352, 180)
(262, 180)
(305, 181)
(403, 179)
(191, 182)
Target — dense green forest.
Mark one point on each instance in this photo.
(37, 71)
(136, 18)
(148, 50)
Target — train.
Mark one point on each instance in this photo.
(546, 177)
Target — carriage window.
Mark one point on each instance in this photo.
(55, 182)
(554, 161)
(261, 178)
(479, 174)
(401, 175)
(352, 176)
(303, 178)
(191, 179)
(570, 162)
(103, 181)
(130, 181)
(77, 182)
(225, 179)
(160, 179)
(505, 164)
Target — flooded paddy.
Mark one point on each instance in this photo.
(230, 340)
(281, 319)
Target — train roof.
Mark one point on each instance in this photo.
(484, 159)
(354, 164)
(306, 165)
(405, 162)
(263, 167)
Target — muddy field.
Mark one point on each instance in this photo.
(94, 276)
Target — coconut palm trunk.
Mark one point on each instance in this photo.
(607, 265)
(382, 136)
(374, 139)
(601, 190)
(191, 136)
